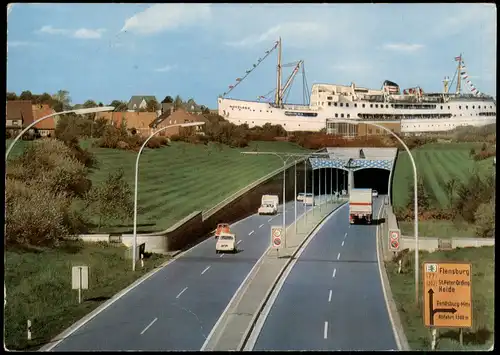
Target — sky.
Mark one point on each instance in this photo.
(105, 52)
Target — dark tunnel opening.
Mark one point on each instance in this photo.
(372, 178)
(332, 176)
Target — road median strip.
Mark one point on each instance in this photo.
(237, 323)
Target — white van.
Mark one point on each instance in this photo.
(225, 243)
(309, 199)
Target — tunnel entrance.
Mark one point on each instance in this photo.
(372, 178)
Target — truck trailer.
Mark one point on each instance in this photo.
(360, 205)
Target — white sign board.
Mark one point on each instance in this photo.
(394, 235)
(80, 277)
(276, 235)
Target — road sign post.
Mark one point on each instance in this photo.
(394, 235)
(80, 279)
(276, 242)
(447, 294)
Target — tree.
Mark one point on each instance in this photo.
(423, 196)
(167, 100)
(100, 104)
(485, 219)
(112, 199)
(152, 106)
(204, 110)
(89, 104)
(26, 95)
(178, 103)
(11, 96)
(44, 98)
(63, 97)
(119, 106)
(450, 188)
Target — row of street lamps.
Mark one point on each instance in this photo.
(289, 155)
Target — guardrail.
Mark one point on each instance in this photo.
(206, 214)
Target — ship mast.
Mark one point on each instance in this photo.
(278, 79)
(459, 73)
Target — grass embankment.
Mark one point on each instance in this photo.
(38, 286)
(177, 180)
(481, 336)
(437, 163)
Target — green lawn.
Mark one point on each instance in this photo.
(38, 286)
(174, 181)
(481, 336)
(437, 163)
(437, 228)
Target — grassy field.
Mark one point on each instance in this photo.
(441, 229)
(436, 163)
(481, 336)
(38, 286)
(174, 181)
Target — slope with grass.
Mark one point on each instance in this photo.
(437, 163)
(481, 335)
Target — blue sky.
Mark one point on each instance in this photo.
(113, 51)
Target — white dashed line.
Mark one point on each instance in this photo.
(325, 331)
(239, 241)
(345, 235)
(270, 219)
(204, 271)
(179, 295)
(338, 256)
(149, 325)
(261, 226)
(330, 296)
(221, 255)
(342, 243)
(334, 272)
(251, 233)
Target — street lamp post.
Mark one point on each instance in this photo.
(415, 195)
(295, 195)
(305, 191)
(190, 124)
(326, 197)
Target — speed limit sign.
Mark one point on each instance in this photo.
(276, 237)
(394, 239)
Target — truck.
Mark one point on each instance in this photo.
(221, 227)
(269, 204)
(360, 205)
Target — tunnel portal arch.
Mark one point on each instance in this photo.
(372, 178)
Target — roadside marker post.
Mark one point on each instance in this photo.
(80, 279)
(29, 329)
(142, 260)
(447, 296)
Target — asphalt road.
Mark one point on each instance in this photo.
(176, 308)
(332, 299)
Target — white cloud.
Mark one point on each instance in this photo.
(402, 47)
(166, 68)
(164, 17)
(297, 34)
(52, 31)
(85, 33)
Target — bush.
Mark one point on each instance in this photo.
(485, 219)
(484, 154)
(471, 195)
(176, 138)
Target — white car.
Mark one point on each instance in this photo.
(300, 196)
(309, 199)
(226, 243)
(374, 193)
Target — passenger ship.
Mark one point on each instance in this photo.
(412, 111)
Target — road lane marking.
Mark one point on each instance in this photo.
(342, 243)
(239, 241)
(345, 235)
(251, 233)
(334, 272)
(261, 226)
(325, 331)
(204, 271)
(330, 296)
(270, 219)
(338, 256)
(149, 325)
(221, 255)
(179, 295)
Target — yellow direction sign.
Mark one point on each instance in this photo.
(448, 294)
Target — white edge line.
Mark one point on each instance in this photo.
(204, 271)
(243, 284)
(342, 243)
(334, 273)
(252, 339)
(149, 325)
(261, 226)
(396, 335)
(330, 296)
(239, 241)
(251, 233)
(82, 321)
(222, 255)
(345, 235)
(325, 331)
(180, 293)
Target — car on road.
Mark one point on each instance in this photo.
(374, 193)
(226, 243)
(221, 228)
(300, 196)
(309, 199)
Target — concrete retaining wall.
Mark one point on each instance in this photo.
(432, 244)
